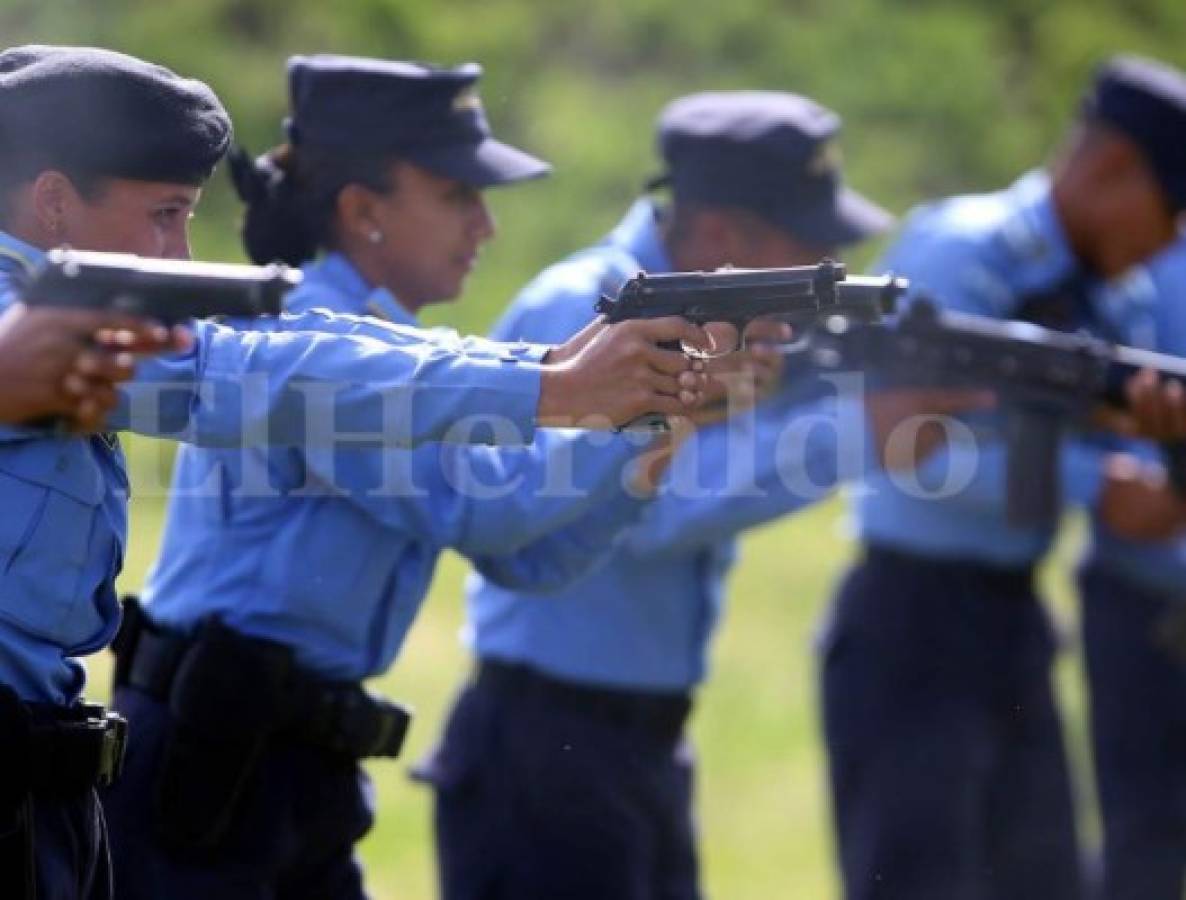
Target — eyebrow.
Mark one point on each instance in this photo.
(178, 200)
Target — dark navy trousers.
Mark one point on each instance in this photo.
(292, 839)
(1138, 729)
(70, 854)
(539, 798)
(948, 774)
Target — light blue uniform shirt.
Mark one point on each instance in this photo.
(644, 618)
(331, 551)
(982, 255)
(64, 499)
(1157, 565)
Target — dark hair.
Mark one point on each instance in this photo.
(292, 193)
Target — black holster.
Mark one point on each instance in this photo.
(225, 702)
(230, 698)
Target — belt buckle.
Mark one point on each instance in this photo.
(112, 748)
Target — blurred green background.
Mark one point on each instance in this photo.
(938, 96)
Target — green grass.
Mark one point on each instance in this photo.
(765, 830)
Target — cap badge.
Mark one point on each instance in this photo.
(467, 100)
(826, 158)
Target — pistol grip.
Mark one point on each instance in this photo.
(652, 422)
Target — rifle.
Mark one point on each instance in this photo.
(168, 291)
(801, 296)
(1045, 381)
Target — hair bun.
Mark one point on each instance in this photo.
(275, 227)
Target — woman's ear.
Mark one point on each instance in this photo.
(55, 204)
(356, 213)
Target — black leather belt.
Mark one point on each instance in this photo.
(1008, 579)
(658, 714)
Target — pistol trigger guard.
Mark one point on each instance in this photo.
(740, 325)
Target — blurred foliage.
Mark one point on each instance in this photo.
(938, 96)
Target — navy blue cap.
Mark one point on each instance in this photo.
(773, 153)
(1146, 100)
(428, 115)
(82, 109)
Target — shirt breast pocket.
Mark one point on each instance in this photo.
(46, 533)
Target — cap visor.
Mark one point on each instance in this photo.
(486, 164)
(850, 220)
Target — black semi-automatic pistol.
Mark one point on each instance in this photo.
(800, 296)
(165, 290)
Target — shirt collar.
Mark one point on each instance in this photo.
(638, 234)
(1035, 237)
(15, 254)
(349, 291)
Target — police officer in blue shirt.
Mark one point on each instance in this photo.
(564, 771)
(107, 152)
(947, 766)
(285, 577)
(1132, 595)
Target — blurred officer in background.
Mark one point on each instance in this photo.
(274, 596)
(564, 770)
(1135, 647)
(947, 766)
(107, 152)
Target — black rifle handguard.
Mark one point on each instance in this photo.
(1046, 379)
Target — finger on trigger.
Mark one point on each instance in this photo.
(671, 362)
(672, 328)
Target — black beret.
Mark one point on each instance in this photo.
(1146, 100)
(429, 115)
(770, 152)
(93, 111)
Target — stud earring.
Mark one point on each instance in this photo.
(375, 236)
